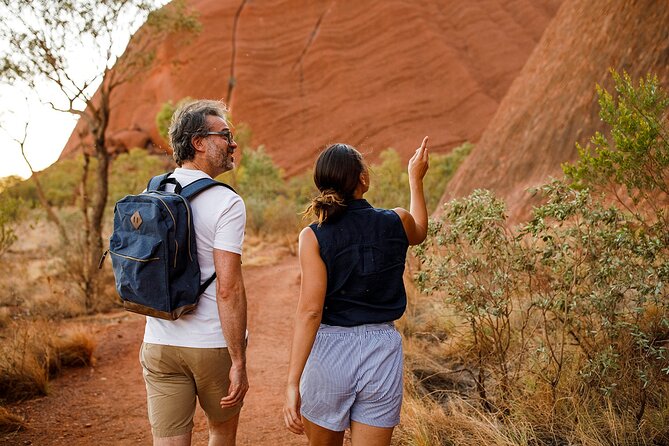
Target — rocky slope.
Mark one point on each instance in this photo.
(374, 74)
(552, 103)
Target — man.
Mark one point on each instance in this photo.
(203, 353)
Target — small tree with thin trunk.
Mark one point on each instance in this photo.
(42, 39)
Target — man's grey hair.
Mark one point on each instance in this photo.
(189, 121)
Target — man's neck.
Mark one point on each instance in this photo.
(194, 165)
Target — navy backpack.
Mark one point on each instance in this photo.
(153, 249)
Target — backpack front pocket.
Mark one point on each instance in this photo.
(140, 270)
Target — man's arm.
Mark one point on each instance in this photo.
(231, 301)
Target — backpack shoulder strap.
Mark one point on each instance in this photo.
(189, 192)
(157, 181)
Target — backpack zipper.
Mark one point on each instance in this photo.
(134, 258)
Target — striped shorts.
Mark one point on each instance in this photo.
(353, 374)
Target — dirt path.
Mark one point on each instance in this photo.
(105, 405)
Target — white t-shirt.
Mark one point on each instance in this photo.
(219, 217)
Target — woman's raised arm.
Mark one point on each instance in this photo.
(415, 220)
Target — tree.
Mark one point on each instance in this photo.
(41, 39)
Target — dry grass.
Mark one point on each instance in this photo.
(25, 361)
(10, 422)
(422, 421)
(442, 406)
(74, 347)
(32, 352)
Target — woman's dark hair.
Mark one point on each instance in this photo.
(336, 174)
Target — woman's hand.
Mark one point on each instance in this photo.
(291, 410)
(415, 221)
(419, 163)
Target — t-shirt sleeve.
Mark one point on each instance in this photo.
(230, 227)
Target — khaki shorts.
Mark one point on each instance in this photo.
(175, 376)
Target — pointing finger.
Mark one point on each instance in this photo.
(423, 145)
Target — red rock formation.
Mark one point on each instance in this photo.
(374, 74)
(552, 103)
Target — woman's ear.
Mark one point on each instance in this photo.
(364, 179)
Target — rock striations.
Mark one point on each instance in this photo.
(375, 74)
(552, 103)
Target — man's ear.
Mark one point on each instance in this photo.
(198, 143)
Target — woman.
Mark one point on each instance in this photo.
(346, 356)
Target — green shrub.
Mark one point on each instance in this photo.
(572, 307)
(61, 183)
(131, 171)
(389, 186)
(266, 194)
(164, 116)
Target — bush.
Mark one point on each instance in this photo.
(270, 209)
(389, 185)
(130, 172)
(164, 116)
(569, 312)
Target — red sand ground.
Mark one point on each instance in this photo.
(106, 405)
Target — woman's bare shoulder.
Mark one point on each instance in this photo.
(403, 213)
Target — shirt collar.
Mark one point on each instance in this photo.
(357, 204)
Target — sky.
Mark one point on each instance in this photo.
(49, 130)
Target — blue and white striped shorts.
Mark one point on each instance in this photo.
(353, 374)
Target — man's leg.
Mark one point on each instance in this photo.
(211, 368)
(178, 440)
(170, 394)
(320, 436)
(223, 433)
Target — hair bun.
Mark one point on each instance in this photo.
(326, 205)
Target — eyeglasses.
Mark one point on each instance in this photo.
(227, 134)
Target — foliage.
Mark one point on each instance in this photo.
(40, 39)
(389, 186)
(572, 306)
(634, 160)
(130, 172)
(270, 206)
(9, 182)
(61, 187)
(164, 116)
(477, 265)
(10, 215)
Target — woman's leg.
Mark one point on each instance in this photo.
(366, 435)
(320, 436)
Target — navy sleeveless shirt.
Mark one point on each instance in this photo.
(364, 251)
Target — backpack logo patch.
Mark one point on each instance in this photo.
(136, 220)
